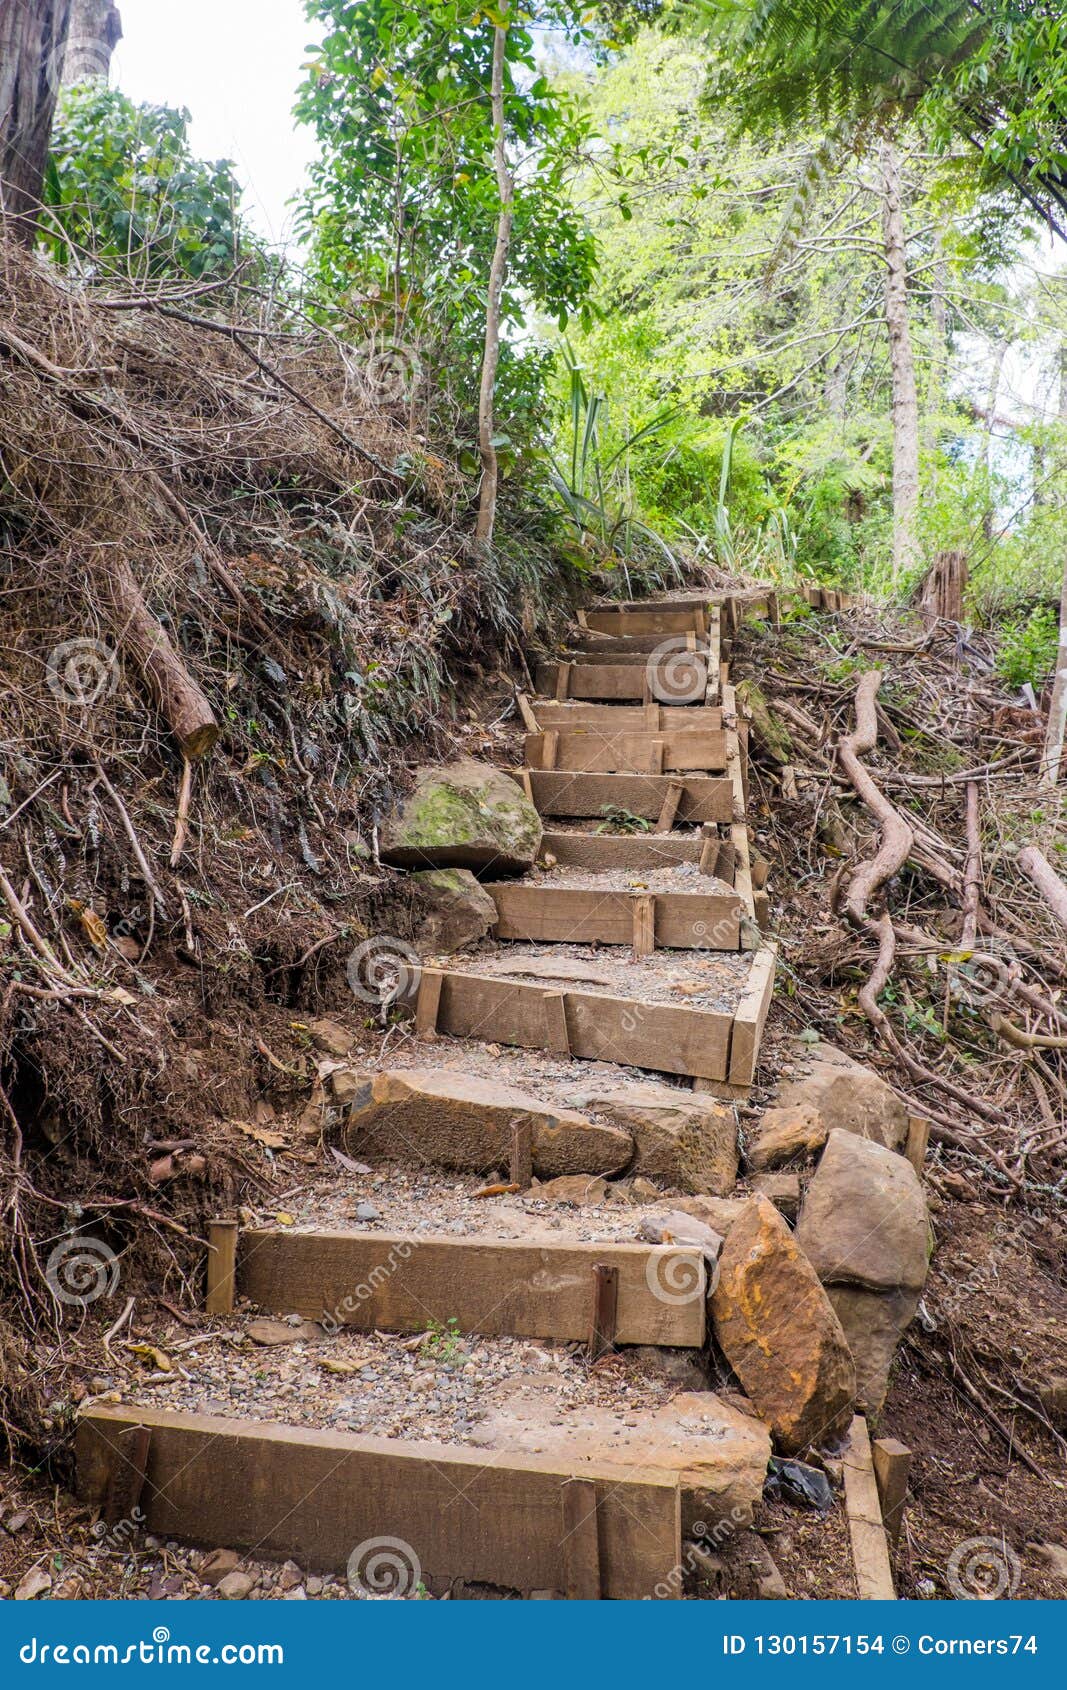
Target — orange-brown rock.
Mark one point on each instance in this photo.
(439, 1118)
(681, 1137)
(776, 1327)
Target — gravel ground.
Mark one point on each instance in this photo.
(683, 979)
(430, 1202)
(682, 877)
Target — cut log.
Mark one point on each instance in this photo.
(146, 643)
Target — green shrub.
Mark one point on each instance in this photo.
(1026, 647)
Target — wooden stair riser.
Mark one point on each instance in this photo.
(691, 921)
(595, 752)
(665, 683)
(397, 1282)
(595, 1027)
(452, 1513)
(703, 798)
(626, 718)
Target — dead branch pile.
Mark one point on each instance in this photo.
(922, 892)
(238, 591)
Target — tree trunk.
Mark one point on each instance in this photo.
(491, 357)
(902, 364)
(33, 38)
(1057, 710)
(944, 587)
(145, 641)
(95, 32)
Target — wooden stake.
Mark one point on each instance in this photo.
(657, 750)
(563, 682)
(126, 1478)
(675, 789)
(428, 1002)
(221, 1266)
(605, 1310)
(917, 1141)
(527, 785)
(892, 1465)
(550, 749)
(644, 911)
(709, 850)
(530, 722)
(652, 716)
(558, 1036)
(580, 1540)
(521, 1169)
(870, 1552)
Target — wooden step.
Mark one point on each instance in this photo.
(625, 718)
(571, 1009)
(679, 683)
(695, 798)
(600, 752)
(496, 1287)
(454, 1513)
(605, 852)
(590, 644)
(672, 646)
(555, 912)
(648, 616)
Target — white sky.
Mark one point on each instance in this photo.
(235, 64)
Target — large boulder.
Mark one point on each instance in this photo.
(458, 910)
(438, 1118)
(828, 1093)
(681, 1138)
(775, 1325)
(463, 815)
(865, 1229)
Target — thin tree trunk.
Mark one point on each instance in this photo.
(33, 37)
(902, 365)
(1057, 710)
(498, 271)
(95, 32)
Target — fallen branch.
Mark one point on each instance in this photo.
(1054, 890)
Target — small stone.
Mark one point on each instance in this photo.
(33, 1584)
(235, 1587)
(674, 1226)
(215, 1566)
(367, 1212)
(297, 1594)
(313, 1586)
(330, 1036)
(585, 1191)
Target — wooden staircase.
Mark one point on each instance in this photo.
(658, 965)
